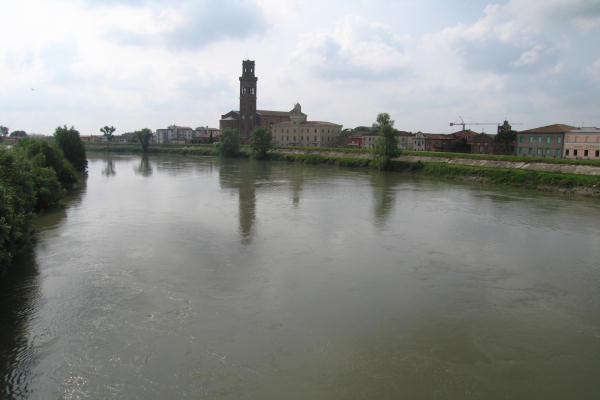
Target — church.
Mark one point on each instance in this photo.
(248, 117)
(277, 122)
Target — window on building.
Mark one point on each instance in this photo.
(597, 153)
(547, 152)
(530, 139)
(547, 139)
(243, 90)
(557, 152)
(539, 139)
(585, 153)
(539, 151)
(251, 90)
(559, 139)
(530, 150)
(566, 152)
(575, 152)
(520, 150)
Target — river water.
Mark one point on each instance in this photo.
(175, 277)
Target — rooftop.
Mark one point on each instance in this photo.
(555, 128)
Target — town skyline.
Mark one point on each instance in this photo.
(141, 63)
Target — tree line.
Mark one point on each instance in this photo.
(35, 175)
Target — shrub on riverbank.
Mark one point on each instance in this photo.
(33, 176)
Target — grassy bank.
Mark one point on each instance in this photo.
(541, 180)
(497, 157)
(201, 150)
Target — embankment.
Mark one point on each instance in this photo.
(556, 175)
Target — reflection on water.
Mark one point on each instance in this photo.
(19, 301)
(145, 168)
(109, 166)
(216, 278)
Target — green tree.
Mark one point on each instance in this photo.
(69, 141)
(18, 133)
(3, 130)
(505, 139)
(229, 144)
(108, 132)
(260, 142)
(144, 136)
(386, 145)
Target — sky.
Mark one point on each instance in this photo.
(150, 63)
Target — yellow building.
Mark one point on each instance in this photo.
(300, 132)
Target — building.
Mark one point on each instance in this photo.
(355, 141)
(204, 134)
(545, 141)
(419, 141)
(438, 142)
(582, 144)
(482, 144)
(248, 117)
(405, 140)
(174, 134)
(298, 131)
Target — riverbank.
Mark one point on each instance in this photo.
(577, 177)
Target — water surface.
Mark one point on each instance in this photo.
(175, 277)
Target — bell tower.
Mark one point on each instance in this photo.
(247, 99)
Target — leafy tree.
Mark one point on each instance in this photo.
(68, 140)
(3, 130)
(18, 134)
(108, 132)
(229, 145)
(46, 155)
(505, 138)
(144, 136)
(386, 146)
(260, 142)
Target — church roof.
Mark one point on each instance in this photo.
(273, 113)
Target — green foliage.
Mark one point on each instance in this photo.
(18, 134)
(260, 142)
(108, 132)
(386, 145)
(70, 143)
(3, 130)
(46, 155)
(229, 144)
(504, 139)
(33, 175)
(144, 136)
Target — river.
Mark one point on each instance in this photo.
(175, 277)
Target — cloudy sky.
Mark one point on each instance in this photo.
(151, 63)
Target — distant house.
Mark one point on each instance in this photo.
(545, 141)
(482, 144)
(419, 141)
(204, 134)
(582, 144)
(405, 140)
(438, 142)
(355, 141)
(175, 134)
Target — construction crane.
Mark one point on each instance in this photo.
(463, 123)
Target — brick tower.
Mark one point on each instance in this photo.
(247, 99)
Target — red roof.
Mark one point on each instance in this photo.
(555, 128)
(436, 136)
